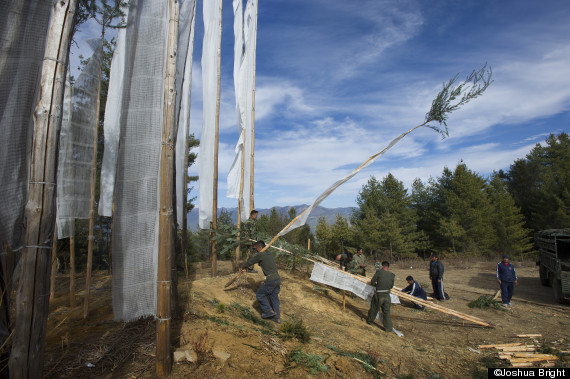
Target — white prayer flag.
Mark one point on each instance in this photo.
(212, 37)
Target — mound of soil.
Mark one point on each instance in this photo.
(223, 332)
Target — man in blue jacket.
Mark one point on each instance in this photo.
(507, 278)
(416, 290)
(436, 275)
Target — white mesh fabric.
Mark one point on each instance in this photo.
(341, 280)
(23, 30)
(112, 124)
(76, 142)
(184, 85)
(135, 226)
(212, 35)
(244, 81)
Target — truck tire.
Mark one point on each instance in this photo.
(543, 272)
(557, 288)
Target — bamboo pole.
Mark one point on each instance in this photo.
(213, 256)
(251, 170)
(184, 240)
(72, 268)
(166, 237)
(240, 201)
(92, 198)
(26, 358)
(53, 264)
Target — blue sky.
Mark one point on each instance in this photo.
(337, 80)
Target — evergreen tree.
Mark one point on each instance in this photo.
(451, 230)
(540, 184)
(423, 202)
(275, 224)
(467, 203)
(390, 203)
(508, 222)
(367, 233)
(392, 237)
(340, 233)
(324, 235)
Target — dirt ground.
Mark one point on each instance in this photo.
(225, 329)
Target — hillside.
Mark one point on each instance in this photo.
(227, 324)
(328, 213)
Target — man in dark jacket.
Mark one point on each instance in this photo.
(507, 278)
(416, 290)
(268, 292)
(436, 276)
(250, 233)
(383, 280)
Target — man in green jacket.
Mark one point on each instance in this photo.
(383, 280)
(268, 292)
(358, 263)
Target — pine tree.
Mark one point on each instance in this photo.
(341, 233)
(466, 200)
(324, 235)
(540, 184)
(508, 222)
(390, 203)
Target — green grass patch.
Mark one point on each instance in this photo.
(486, 302)
(321, 289)
(248, 314)
(295, 329)
(370, 358)
(315, 363)
(221, 308)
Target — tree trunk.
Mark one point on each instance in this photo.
(166, 230)
(26, 359)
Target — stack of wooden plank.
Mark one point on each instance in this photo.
(523, 355)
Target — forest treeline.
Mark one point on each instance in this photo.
(459, 213)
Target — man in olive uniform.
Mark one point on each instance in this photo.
(250, 233)
(358, 263)
(383, 280)
(268, 292)
(344, 260)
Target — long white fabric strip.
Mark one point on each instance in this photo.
(212, 36)
(234, 175)
(245, 32)
(338, 279)
(112, 124)
(303, 217)
(184, 85)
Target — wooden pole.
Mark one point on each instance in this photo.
(213, 255)
(72, 268)
(240, 200)
(251, 170)
(53, 264)
(32, 303)
(166, 232)
(92, 199)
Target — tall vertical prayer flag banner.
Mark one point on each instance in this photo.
(245, 32)
(210, 51)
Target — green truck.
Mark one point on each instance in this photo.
(554, 261)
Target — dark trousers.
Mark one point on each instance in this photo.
(268, 297)
(380, 301)
(507, 290)
(438, 292)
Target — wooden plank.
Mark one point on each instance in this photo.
(529, 335)
(500, 345)
(529, 359)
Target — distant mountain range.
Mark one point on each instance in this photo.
(328, 213)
